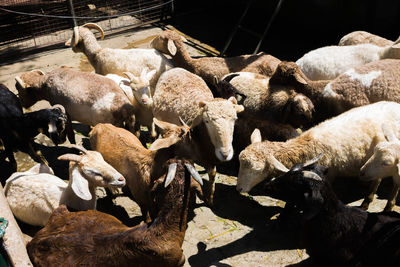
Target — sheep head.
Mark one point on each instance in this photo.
(386, 158)
(26, 83)
(141, 86)
(167, 42)
(90, 170)
(81, 33)
(219, 116)
(171, 134)
(53, 123)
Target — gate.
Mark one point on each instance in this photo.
(32, 24)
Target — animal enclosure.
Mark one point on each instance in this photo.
(33, 24)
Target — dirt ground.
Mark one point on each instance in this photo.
(238, 231)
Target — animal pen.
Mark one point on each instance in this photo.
(32, 24)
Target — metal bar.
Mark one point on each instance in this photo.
(72, 10)
(278, 7)
(236, 28)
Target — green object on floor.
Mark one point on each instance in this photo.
(4, 259)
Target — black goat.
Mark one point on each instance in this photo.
(332, 233)
(17, 129)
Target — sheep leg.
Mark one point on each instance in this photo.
(372, 190)
(10, 155)
(392, 198)
(70, 130)
(210, 187)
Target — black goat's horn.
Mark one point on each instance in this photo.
(194, 173)
(80, 148)
(171, 174)
(312, 161)
(311, 175)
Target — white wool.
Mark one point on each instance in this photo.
(328, 92)
(328, 62)
(364, 79)
(123, 83)
(105, 102)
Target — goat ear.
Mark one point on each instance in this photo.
(255, 136)
(388, 132)
(171, 47)
(164, 142)
(80, 185)
(300, 79)
(143, 73)
(68, 42)
(131, 77)
(278, 165)
(163, 125)
(150, 74)
(239, 108)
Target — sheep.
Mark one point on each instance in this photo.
(92, 238)
(347, 141)
(117, 61)
(87, 97)
(372, 82)
(384, 162)
(282, 104)
(332, 233)
(209, 68)
(184, 96)
(18, 129)
(362, 37)
(328, 62)
(34, 194)
(139, 165)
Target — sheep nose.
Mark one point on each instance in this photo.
(121, 179)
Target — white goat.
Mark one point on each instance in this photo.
(346, 141)
(384, 163)
(328, 62)
(34, 194)
(117, 61)
(138, 91)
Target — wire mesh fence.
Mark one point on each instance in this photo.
(32, 24)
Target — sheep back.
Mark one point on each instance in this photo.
(362, 37)
(178, 94)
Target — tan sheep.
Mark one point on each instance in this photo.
(362, 37)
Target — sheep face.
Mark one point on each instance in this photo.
(26, 83)
(165, 42)
(383, 163)
(57, 121)
(99, 172)
(141, 86)
(219, 116)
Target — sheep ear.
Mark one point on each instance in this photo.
(171, 47)
(143, 73)
(150, 74)
(239, 108)
(388, 132)
(80, 185)
(278, 165)
(255, 136)
(233, 100)
(163, 125)
(70, 157)
(131, 77)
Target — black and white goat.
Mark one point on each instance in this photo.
(17, 129)
(332, 233)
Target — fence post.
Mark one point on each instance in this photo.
(72, 11)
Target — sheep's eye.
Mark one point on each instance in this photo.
(386, 163)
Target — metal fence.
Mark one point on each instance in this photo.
(33, 24)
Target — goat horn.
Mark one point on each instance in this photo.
(230, 77)
(278, 165)
(40, 71)
(183, 122)
(80, 148)
(70, 157)
(171, 174)
(194, 173)
(312, 161)
(20, 82)
(311, 175)
(96, 27)
(76, 36)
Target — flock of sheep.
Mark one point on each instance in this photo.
(336, 106)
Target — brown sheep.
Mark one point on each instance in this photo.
(93, 238)
(171, 43)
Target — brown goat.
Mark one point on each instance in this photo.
(93, 238)
(139, 165)
(209, 68)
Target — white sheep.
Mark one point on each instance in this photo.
(34, 194)
(328, 62)
(362, 37)
(385, 162)
(117, 61)
(346, 141)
